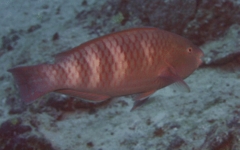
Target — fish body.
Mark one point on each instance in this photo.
(136, 61)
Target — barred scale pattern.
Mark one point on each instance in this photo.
(110, 62)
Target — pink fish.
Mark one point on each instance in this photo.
(137, 61)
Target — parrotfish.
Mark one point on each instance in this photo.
(137, 61)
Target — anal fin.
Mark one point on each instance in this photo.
(87, 96)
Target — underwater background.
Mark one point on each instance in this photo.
(207, 118)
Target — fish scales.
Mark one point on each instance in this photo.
(135, 61)
(111, 74)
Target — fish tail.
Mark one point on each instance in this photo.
(32, 81)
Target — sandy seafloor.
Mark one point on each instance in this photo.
(208, 115)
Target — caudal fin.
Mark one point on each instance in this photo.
(32, 81)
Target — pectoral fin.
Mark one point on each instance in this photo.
(180, 85)
(87, 96)
(171, 77)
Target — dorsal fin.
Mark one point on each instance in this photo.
(60, 56)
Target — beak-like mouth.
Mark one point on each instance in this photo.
(200, 58)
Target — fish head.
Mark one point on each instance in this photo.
(186, 57)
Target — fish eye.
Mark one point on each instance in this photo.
(189, 50)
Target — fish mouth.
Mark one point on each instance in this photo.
(200, 58)
(200, 62)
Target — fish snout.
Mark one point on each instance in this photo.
(200, 58)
